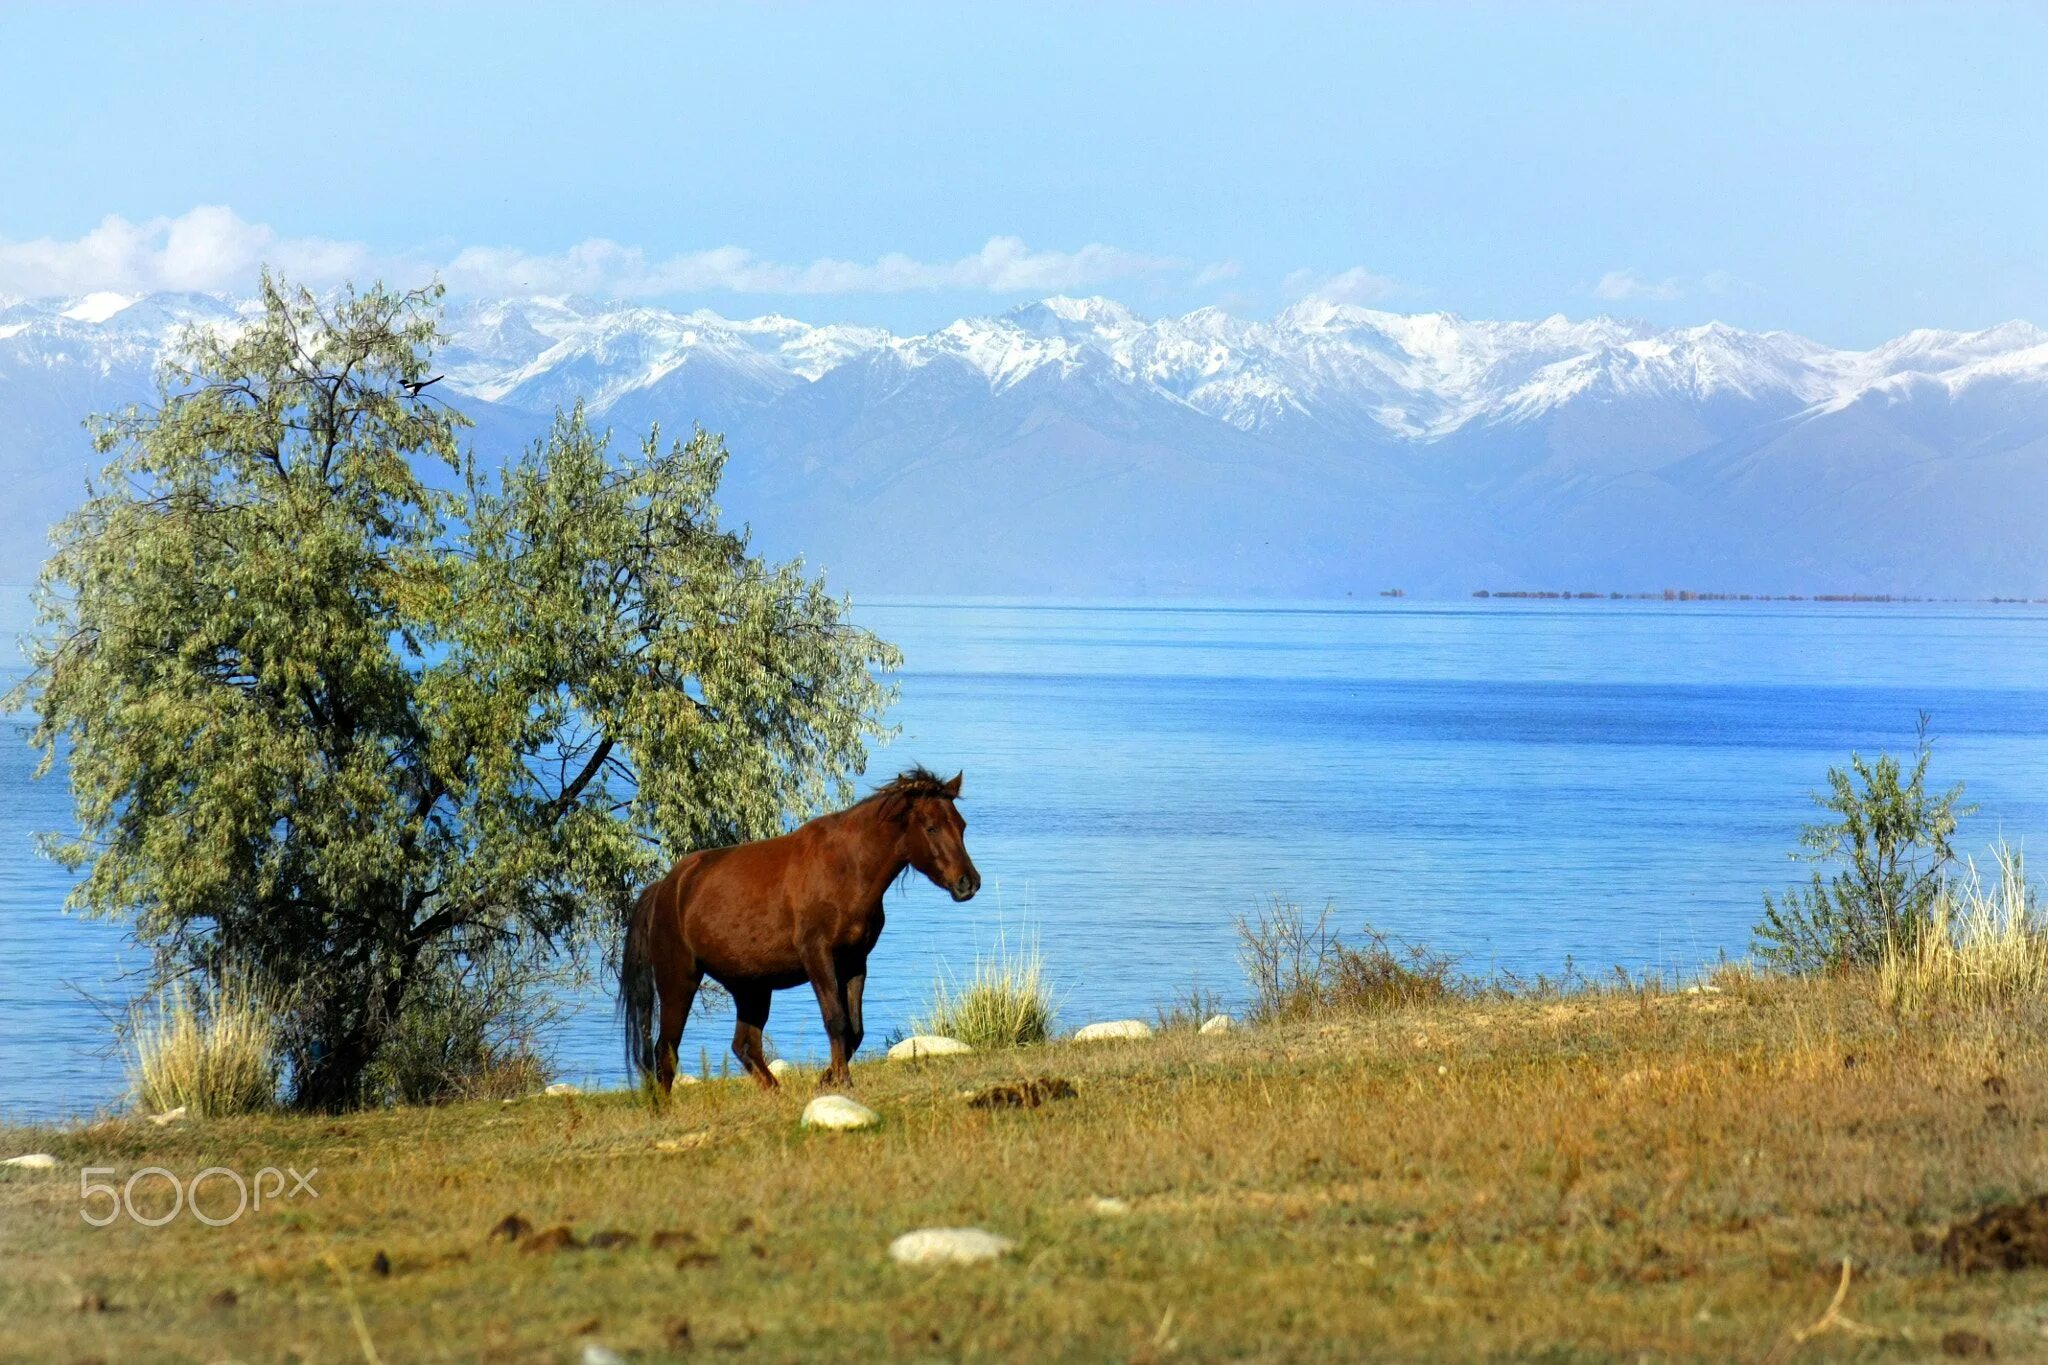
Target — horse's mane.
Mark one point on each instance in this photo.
(912, 784)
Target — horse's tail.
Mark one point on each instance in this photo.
(636, 987)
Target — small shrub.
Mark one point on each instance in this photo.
(1896, 839)
(1004, 1004)
(1189, 1009)
(1979, 947)
(465, 1034)
(1298, 967)
(210, 1048)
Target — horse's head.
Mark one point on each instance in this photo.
(934, 834)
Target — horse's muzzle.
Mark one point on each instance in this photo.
(964, 889)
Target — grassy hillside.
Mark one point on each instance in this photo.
(1622, 1175)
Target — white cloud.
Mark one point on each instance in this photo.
(206, 249)
(1628, 284)
(1622, 285)
(212, 248)
(1005, 265)
(1216, 273)
(1356, 285)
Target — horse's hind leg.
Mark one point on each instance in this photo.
(677, 995)
(751, 1004)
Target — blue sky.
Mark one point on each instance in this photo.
(1847, 172)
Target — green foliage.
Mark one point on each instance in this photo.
(1895, 838)
(466, 1033)
(1301, 968)
(334, 725)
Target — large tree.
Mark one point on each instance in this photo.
(342, 723)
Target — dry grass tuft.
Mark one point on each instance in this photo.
(1006, 1003)
(211, 1049)
(1981, 947)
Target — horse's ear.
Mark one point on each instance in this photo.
(952, 789)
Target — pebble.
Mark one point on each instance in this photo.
(169, 1116)
(594, 1354)
(1109, 1207)
(948, 1246)
(780, 1069)
(560, 1088)
(1114, 1028)
(1217, 1023)
(34, 1161)
(927, 1045)
(837, 1111)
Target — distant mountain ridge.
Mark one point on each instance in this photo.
(1071, 447)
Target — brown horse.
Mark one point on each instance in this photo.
(804, 906)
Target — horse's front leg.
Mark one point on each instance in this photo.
(823, 970)
(853, 983)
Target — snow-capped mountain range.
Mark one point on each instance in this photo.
(1072, 447)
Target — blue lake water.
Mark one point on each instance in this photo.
(1518, 782)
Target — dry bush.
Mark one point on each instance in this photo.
(211, 1049)
(1980, 947)
(1300, 967)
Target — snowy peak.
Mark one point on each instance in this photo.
(1353, 373)
(1072, 446)
(97, 307)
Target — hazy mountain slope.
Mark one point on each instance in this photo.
(1073, 447)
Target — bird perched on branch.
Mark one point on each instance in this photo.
(412, 387)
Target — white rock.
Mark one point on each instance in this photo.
(1114, 1028)
(1108, 1206)
(34, 1161)
(560, 1088)
(780, 1069)
(685, 1078)
(927, 1045)
(169, 1116)
(1217, 1023)
(1703, 988)
(948, 1246)
(837, 1111)
(594, 1354)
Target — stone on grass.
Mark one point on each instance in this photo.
(1114, 1028)
(780, 1069)
(1217, 1023)
(594, 1354)
(34, 1161)
(1109, 1206)
(169, 1116)
(927, 1045)
(560, 1088)
(948, 1246)
(837, 1111)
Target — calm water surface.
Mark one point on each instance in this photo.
(1521, 783)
